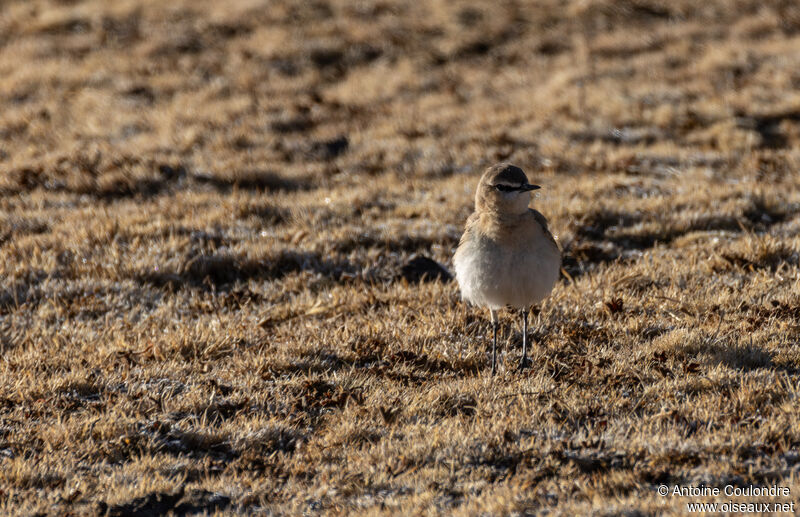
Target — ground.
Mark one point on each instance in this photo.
(217, 222)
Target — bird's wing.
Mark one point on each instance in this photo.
(543, 223)
(471, 221)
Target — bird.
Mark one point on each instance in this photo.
(507, 256)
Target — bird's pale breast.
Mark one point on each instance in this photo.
(518, 269)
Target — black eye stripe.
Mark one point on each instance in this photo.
(506, 188)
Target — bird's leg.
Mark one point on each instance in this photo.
(524, 362)
(494, 340)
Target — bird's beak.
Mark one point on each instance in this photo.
(527, 186)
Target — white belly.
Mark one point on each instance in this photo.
(493, 277)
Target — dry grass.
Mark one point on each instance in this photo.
(206, 209)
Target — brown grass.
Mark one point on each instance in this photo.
(214, 219)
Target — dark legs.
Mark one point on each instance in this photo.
(495, 324)
(524, 362)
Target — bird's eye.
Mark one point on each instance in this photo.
(505, 188)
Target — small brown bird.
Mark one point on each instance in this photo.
(507, 256)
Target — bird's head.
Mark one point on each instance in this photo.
(504, 189)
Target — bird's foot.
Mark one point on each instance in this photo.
(524, 363)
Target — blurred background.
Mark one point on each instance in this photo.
(116, 99)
